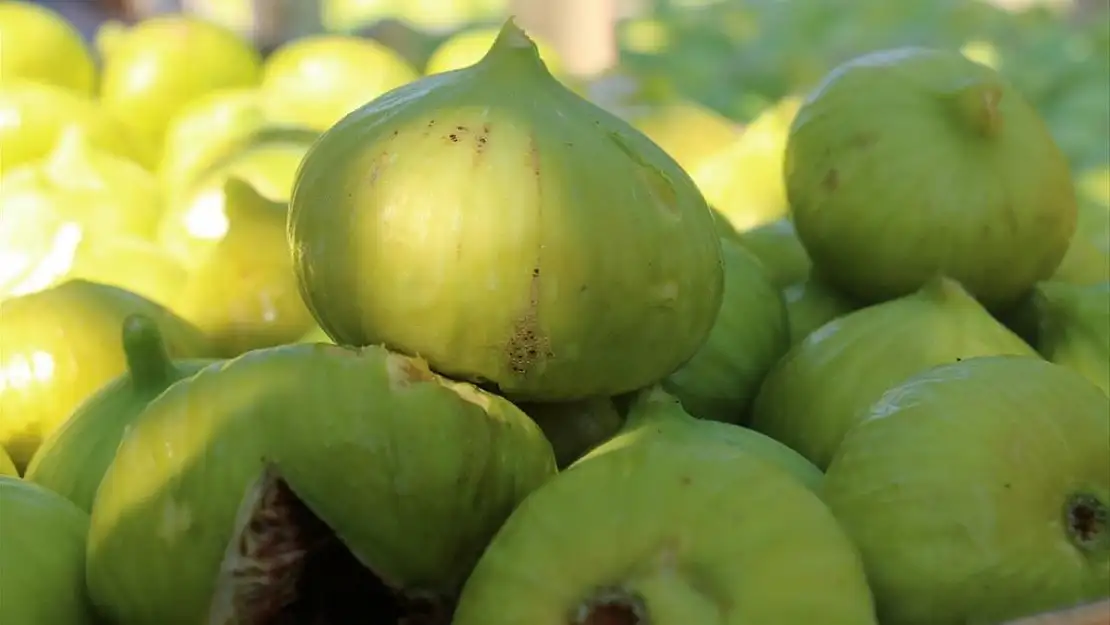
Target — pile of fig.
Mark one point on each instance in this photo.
(480, 352)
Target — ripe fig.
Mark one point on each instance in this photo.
(825, 384)
(302, 482)
(671, 530)
(905, 164)
(480, 210)
(72, 460)
(748, 338)
(978, 492)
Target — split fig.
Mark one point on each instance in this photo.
(304, 482)
(497, 265)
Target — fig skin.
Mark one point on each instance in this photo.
(825, 384)
(73, 458)
(1073, 328)
(748, 338)
(959, 488)
(910, 163)
(7, 467)
(42, 555)
(412, 472)
(811, 304)
(510, 277)
(61, 345)
(574, 428)
(686, 530)
(777, 246)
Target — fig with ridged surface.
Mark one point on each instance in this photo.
(508, 231)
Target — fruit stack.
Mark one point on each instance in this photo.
(549, 383)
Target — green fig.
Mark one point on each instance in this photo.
(689, 132)
(242, 292)
(777, 246)
(498, 264)
(315, 81)
(748, 338)
(909, 163)
(42, 47)
(315, 334)
(1073, 328)
(825, 384)
(73, 458)
(574, 428)
(153, 69)
(979, 491)
(326, 470)
(7, 467)
(42, 555)
(671, 530)
(811, 304)
(655, 413)
(60, 346)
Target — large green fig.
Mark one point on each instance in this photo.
(655, 413)
(73, 458)
(825, 384)
(42, 556)
(242, 292)
(671, 530)
(1073, 328)
(777, 246)
(811, 304)
(234, 486)
(499, 262)
(574, 428)
(748, 338)
(905, 164)
(978, 492)
(61, 345)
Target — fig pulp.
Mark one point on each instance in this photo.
(60, 346)
(911, 163)
(669, 530)
(748, 338)
(823, 385)
(978, 492)
(42, 555)
(481, 208)
(72, 460)
(307, 481)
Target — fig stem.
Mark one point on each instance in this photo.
(148, 361)
(512, 46)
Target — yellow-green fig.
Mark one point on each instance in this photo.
(777, 246)
(978, 492)
(136, 264)
(748, 338)
(73, 458)
(655, 413)
(42, 555)
(1073, 328)
(670, 530)
(275, 486)
(498, 263)
(825, 383)
(574, 428)
(811, 304)
(689, 132)
(60, 345)
(315, 81)
(744, 181)
(41, 46)
(1088, 257)
(151, 70)
(905, 164)
(242, 292)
